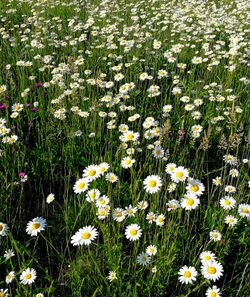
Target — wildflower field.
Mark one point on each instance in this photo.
(124, 144)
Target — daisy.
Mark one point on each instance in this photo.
(103, 167)
(227, 202)
(3, 229)
(190, 201)
(187, 274)
(142, 205)
(133, 232)
(152, 184)
(4, 293)
(231, 220)
(150, 217)
(234, 172)
(102, 201)
(127, 162)
(215, 235)
(213, 292)
(130, 211)
(207, 256)
(103, 212)
(170, 168)
(81, 185)
(28, 276)
(230, 189)
(171, 187)
(158, 152)
(50, 198)
(160, 220)
(84, 236)
(143, 259)
(195, 187)
(111, 276)
(119, 214)
(91, 172)
(179, 174)
(244, 210)
(217, 181)
(111, 177)
(130, 136)
(93, 195)
(9, 254)
(151, 250)
(212, 270)
(173, 204)
(36, 226)
(39, 295)
(9, 277)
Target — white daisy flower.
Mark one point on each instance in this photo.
(91, 172)
(84, 236)
(152, 184)
(28, 276)
(215, 235)
(81, 185)
(143, 259)
(195, 187)
(207, 256)
(244, 210)
(133, 232)
(179, 174)
(227, 202)
(213, 292)
(187, 275)
(190, 202)
(231, 220)
(151, 250)
(9, 277)
(36, 226)
(212, 270)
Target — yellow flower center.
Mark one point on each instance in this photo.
(227, 202)
(92, 172)
(207, 257)
(119, 214)
(28, 276)
(1, 227)
(92, 195)
(160, 220)
(102, 212)
(81, 185)
(86, 235)
(211, 269)
(245, 210)
(187, 274)
(127, 162)
(111, 178)
(2, 293)
(157, 152)
(190, 201)
(102, 169)
(213, 294)
(194, 188)
(133, 232)
(152, 183)
(179, 174)
(130, 136)
(230, 220)
(35, 226)
(215, 235)
(102, 201)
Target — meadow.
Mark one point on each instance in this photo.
(124, 144)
